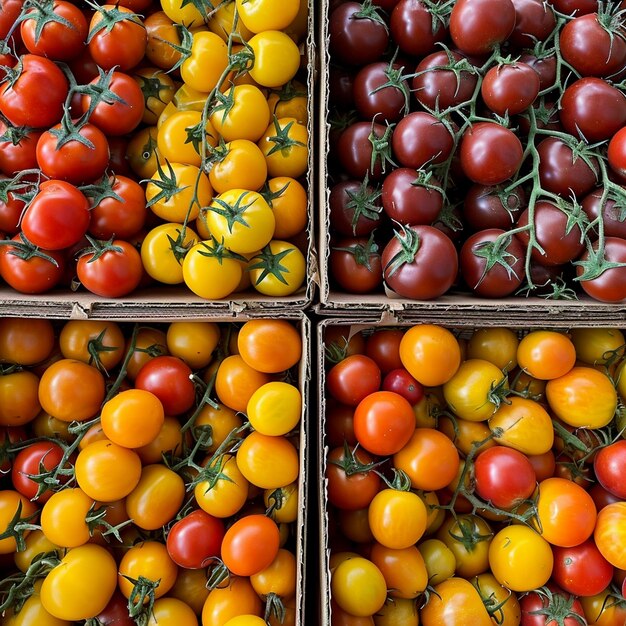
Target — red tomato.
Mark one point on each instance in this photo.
(581, 570)
(539, 608)
(169, 379)
(33, 461)
(400, 381)
(353, 379)
(195, 539)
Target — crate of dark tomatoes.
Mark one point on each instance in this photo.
(153, 471)
(471, 471)
(476, 155)
(156, 151)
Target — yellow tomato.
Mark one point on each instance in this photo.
(285, 146)
(142, 153)
(359, 587)
(179, 138)
(149, 560)
(239, 164)
(278, 269)
(226, 495)
(163, 250)
(276, 58)
(496, 345)
(291, 100)
(222, 22)
(208, 61)
(288, 199)
(274, 409)
(158, 89)
(193, 342)
(261, 15)
(241, 112)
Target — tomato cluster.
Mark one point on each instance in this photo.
(150, 474)
(476, 478)
(145, 142)
(477, 145)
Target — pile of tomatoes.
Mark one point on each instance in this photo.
(478, 145)
(147, 142)
(476, 478)
(150, 474)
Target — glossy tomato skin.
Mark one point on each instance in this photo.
(169, 379)
(115, 273)
(536, 609)
(551, 223)
(593, 109)
(407, 201)
(611, 211)
(581, 570)
(477, 26)
(504, 477)
(412, 27)
(503, 277)
(510, 88)
(19, 154)
(420, 138)
(455, 602)
(350, 490)
(609, 534)
(36, 98)
(355, 265)
(400, 381)
(590, 49)
(354, 208)
(374, 98)
(33, 460)
(355, 151)
(356, 40)
(490, 153)
(57, 217)
(534, 21)
(353, 379)
(439, 86)
(607, 464)
(610, 286)
(429, 273)
(490, 207)
(195, 539)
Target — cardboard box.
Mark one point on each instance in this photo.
(334, 301)
(301, 322)
(403, 319)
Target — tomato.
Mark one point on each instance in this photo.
(358, 587)
(410, 197)
(195, 539)
(566, 513)
(510, 88)
(190, 587)
(64, 518)
(236, 381)
(598, 345)
(397, 519)
(156, 499)
(107, 472)
(609, 286)
(419, 139)
(32, 612)
(93, 342)
(504, 477)
(278, 578)
(279, 269)
(147, 560)
(357, 36)
(222, 23)
(439, 560)
(82, 585)
(496, 345)
(546, 354)
(121, 43)
(584, 397)
(349, 485)
(490, 153)
(523, 425)
(36, 543)
(276, 58)
(383, 422)
(71, 390)
(477, 27)
(581, 570)
(238, 164)
(28, 466)
(472, 392)
(250, 545)
(172, 612)
(400, 381)
(608, 534)
(262, 15)
(502, 605)
(257, 339)
(19, 393)
(355, 265)
(57, 217)
(353, 379)
(180, 138)
(161, 32)
(202, 69)
(429, 458)
(10, 501)
(267, 462)
(285, 147)
(550, 606)
(226, 495)
(74, 160)
(520, 558)
(453, 602)
(221, 420)
(141, 152)
(606, 466)
(288, 200)
(603, 609)
(274, 409)
(37, 95)
(236, 598)
(162, 250)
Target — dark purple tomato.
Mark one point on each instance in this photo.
(380, 92)
(341, 82)
(613, 213)
(492, 207)
(561, 240)
(617, 153)
(358, 33)
(510, 88)
(543, 277)
(443, 87)
(534, 21)
(490, 153)
(610, 285)
(355, 208)
(477, 26)
(400, 381)
(492, 263)
(420, 262)
(420, 139)
(561, 172)
(363, 150)
(544, 65)
(590, 49)
(592, 108)
(575, 7)
(414, 29)
(412, 197)
(355, 265)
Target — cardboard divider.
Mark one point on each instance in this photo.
(357, 321)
